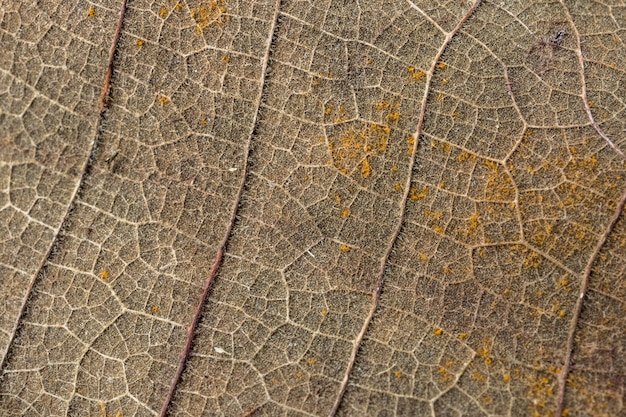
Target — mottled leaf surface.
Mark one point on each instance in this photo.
(290, 208)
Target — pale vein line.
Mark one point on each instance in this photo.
(101, 107)
(231, 223)
(407, 186)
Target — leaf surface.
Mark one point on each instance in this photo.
(287, 207)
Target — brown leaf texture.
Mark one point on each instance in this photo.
(322, 208)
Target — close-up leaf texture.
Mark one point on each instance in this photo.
(312, 208)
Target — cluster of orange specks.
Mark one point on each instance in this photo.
(91, 12)
(474, 221)
(163, 12)
(416, 74)
(464, 156)
(444, 375)
(339, 113)
(366, 169)
(441, 66)
(463, 336)
(154, 309)
(391, 110)
(205, 15)
(311, 361)
(440, 97)
(540, 392)
(499, 184)
(411, 142)
(164, 100)
(398, 374)
(370, 139)
(415, 195)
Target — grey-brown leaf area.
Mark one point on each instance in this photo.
(333, 208)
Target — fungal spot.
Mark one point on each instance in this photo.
(345, 213)
(213, 13)
(438, 332)
(163, 12)
(225, 59)
(91, 12)
(398, 374)
(323, 312)
(345, 248)
(441, 66)
(440, 97)
(139, 42)
(155, 309)
(104, 274)
(164, 100)
(366, 169)
(415, 195)
(506, 377)
(311, 361)
(463, 336)
(488, 361)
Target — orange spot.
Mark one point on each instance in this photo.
(163, 12)
(311, 361)
(366, 169)
(441, 66)
(104, 274)
(418, 75)
(345, 213)
(463, 336)
(323, 312)
(506, 377)
(345, 248)
(91, 12)
(155, 309)
(438, 332)
(164, 100)
(139, 42)
(398, 374)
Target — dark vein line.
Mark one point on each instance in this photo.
(84, 172)
(562, 379)
(217, 262)
(583, 92)
(407, 187)
(579, 305)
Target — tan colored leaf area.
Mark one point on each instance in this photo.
(312, 208)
